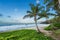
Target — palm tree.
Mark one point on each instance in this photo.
(55, 4)
(59, 2)
(57, 8)
(46, 14)
(34, 13)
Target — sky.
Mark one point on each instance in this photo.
(16, 9)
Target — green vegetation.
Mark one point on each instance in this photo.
(54, 27)
(55, 19)
(57, 32)
(34, 12)
(23, 35)
(57, 25)
(49, 27)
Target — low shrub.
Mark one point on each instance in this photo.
(57, 25)
(54, 27)
(49, 27)
(57, 32)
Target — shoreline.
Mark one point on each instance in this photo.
(13, 28)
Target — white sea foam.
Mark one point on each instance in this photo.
(17, 27)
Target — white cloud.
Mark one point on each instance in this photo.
(21, 20)
(27, 20)
(37, 1)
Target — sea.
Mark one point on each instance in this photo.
(7, 27)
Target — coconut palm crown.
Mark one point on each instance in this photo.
(35, 10)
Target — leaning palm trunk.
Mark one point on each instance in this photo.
(59, 3)
(36, 24)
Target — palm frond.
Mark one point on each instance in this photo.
(39, 17)
(29, 15)
(40, 8)
(32, 7)
(45, 1)
(48, 9)
(51, 14)
(37, 5)
(25, 16)
(29, 12)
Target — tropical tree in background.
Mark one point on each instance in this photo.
(46, 14)
(55, 5)
(35, 10)
(57, 8)
(54, 20)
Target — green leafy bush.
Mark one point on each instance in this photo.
(57, 25)
(54, 27)
(49, 27)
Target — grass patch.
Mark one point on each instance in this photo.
(23, 35)
(57, 32)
